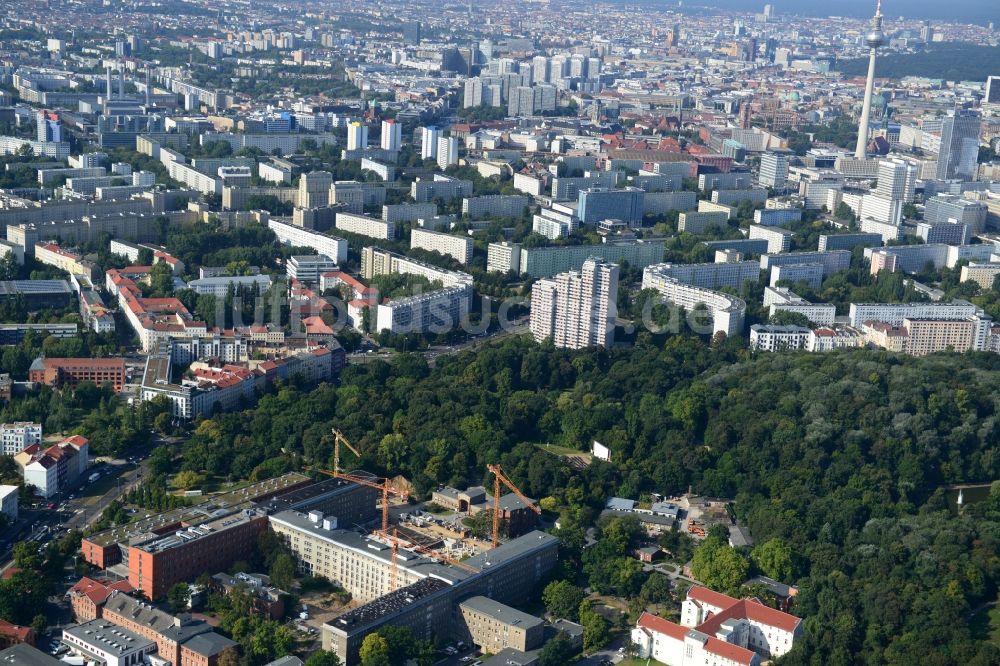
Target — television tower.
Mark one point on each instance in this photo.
(875, 38)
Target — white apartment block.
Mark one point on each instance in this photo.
(503, 257)
(375, 261)
(713, 276)
(772, 338)
(528, 184)
(825, 339)
(16, 437)
(408, 212)
(436, 311)
(728, 312)
(447, 151)
(495, 205)
(778, 239)
(781, 299)
(894, 313)
(366, 226)
(193, 178)
(982, 274)
(274, 173)
(329, 246)
(576, 309)
(886, 230)
(442, 187)
(457, 247)
(695, 222)
(661, 203)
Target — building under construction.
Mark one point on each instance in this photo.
(178, 545)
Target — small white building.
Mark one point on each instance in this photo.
(106, 643)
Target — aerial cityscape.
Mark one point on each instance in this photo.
(501, 334)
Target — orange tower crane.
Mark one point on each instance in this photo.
(498, 477)
(382, 484)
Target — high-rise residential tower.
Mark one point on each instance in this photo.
(577, 309)
(392, 135)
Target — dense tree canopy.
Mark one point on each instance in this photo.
(840, 456)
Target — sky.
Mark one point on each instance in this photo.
(972, 11)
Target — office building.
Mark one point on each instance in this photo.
(16, 437)
(357, 136)
(508, 574)
(745, 246)
(69, 372)
(106, 643)
(392, 135)
(755, 195)
(576, 309)
(429, 143)
(492, 626)
(774, 170)
(180, 544)
(959, 152)
(447, 151)
(952, 209)
(734, 180)
(596, 204)
(948, 233)
(308, 268)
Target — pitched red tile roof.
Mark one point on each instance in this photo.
(661, 626)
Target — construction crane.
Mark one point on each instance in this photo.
(338, 439)
(498, 477)
(379, 483)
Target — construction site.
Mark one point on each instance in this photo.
(412, 570)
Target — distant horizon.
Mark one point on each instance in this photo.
(966, 11)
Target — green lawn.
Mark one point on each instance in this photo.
(555, 449)
(638, 662)
(987, 623)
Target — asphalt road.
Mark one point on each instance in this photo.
(81, 506)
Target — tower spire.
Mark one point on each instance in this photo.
(875, 38)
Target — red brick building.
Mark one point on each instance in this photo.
(87, 597)
(62, 372)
